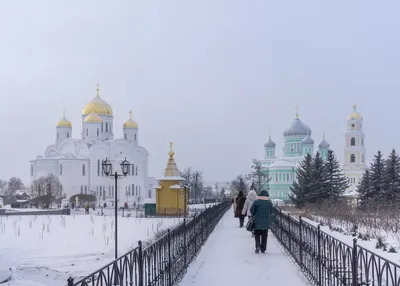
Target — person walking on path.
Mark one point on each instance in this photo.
(240, 200)
(261, 213)
(250, 199)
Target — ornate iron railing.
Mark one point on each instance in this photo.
(162, 263)
(327, 261)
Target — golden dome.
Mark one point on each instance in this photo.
(93, 118)
(63, 122)
(130, 123)
(354, 115)
(98, 105)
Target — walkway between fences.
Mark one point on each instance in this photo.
(327, 261)
(228, 258)
(163, 262)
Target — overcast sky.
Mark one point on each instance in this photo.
(213, 76)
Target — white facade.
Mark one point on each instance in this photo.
(77, 162)
(354, 151)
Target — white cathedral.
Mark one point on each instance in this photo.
(77, 162)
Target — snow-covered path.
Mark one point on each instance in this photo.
(228, 258)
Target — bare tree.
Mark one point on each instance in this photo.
(259, 176)
(13, 185)
(3, 187)
(46, 189)
(239, 184)
(194, 179)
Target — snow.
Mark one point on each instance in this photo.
(228, 258)
(45, 250)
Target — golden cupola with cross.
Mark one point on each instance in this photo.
(171, 196)
(97, 119)
(130, 129)
(63, 128)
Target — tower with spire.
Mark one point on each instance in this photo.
(171, 196)
(354, 149)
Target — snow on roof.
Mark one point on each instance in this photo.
(175, 187)
(149, 201)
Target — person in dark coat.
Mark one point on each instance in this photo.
(240, 199)
(261, 211)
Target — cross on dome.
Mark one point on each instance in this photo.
(297, 111)
(171, 152)
(98, 90)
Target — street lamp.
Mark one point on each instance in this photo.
(107, 169)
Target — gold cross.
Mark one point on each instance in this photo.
(355, 107)
(63, 112)
(297, 111)
(98, 89)
(130, 114)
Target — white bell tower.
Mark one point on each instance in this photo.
(354, 149)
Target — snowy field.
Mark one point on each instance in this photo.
(45, 250)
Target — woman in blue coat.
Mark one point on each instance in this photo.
(261, 213)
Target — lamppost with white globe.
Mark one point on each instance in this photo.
(107, 169)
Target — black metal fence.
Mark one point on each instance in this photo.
(327, 261)
(163, 262)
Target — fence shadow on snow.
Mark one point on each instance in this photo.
(327, 261)
(165, 261)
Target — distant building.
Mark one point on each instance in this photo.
(77, 161)
(298, 143)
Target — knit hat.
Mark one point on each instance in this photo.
(241, 193)
(264, 193)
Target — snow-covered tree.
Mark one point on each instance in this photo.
(364, 190)
(318, 187)
(335, 182)
(391, 178)
(376, 178)
(301, 188)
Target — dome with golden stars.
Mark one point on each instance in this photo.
(354, 115)
(93, 118)
(64, 122)
(130, 123)
(98, 105)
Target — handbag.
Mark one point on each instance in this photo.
(250, 224)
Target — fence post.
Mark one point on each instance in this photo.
(169, 260)
(194, 233)
(354, 264)
(70, 281)
(319, 256)
(184, 243)
(301, 241)
(289, 234)
(141, 264)
(280, 222)
(202, 228)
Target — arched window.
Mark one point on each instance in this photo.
(97, 131)
(98, 167)
(85, 190)
(81, 189)
(135, 137)
(125, 136)
(60, 169)
(67, 134)
(353, 141)
(106, 127)
(102, 128)
(58, 136)
(149, 193)
(133, 169)
(352, 158)
(136, 170)
(32, 171)
(87, 132)
(83, 170)
(362, 141)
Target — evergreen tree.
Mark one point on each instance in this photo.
(301, 187)
(364, 190)
(335, 182)
(376, 175)
(318, 190)
(391, 178)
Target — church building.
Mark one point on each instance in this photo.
(298, 143)
(77, 161)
